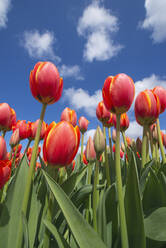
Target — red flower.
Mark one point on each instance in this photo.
(102, 113)
(109, 123)
(45, 83)
(69, 115)
(61, 143)
(5, 171)
(24, 129)
(121, 152)
(33, 129)
(7, 117)
(124, 122)
(161, 93)
(147, 107)
(3, 148)
(118, 93)
(90, 150)
(83, 124)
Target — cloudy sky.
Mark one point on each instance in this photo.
(87, 41)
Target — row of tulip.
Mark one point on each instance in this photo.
(108, 173)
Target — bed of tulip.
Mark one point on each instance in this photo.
(110, 195)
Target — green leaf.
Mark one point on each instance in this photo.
(155, 225)
(12, 208)
(133, 207)
(82, 231)
(62, 243)
(25, 230)
(153, 194)
(101, 217)
(144, 176)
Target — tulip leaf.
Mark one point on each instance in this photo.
(155, 225)
(82, 231)
(25, 230)
(133, 207)
(62, 243)
(13, 204)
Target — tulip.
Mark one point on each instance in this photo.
(15, 138)
(90, 151)
(147, 107)
(121, 151)
(61, 144)
(45, 83)
(3, 148)
(83, 124)
(118, 93)
(139, 145)
(102, 113)
(5, 172)
(99, 142)
(7, 117)
(33, 129)
(70, 116)
(24, 129)
(124, 122)
(73, 164)
(85, 161)
(161, 93)
(122, 147)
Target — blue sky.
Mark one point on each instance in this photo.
(87, 41)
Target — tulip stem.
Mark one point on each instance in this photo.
(26, 149)
(89, 197)
(144, 141)
(160, 142)
(95, 194)
(82, 143)
(107, 169)
(123, 226)
(157, 152)
(11, 151)
(110, 140)
(151, 145)
(30, 177)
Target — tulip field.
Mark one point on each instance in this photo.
(112, 194)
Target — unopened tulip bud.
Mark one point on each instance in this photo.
(90, 150)
(15, 138)
(114, 135)
(99, 142)
(133, 144)
(83, 124)
(154, 133)
(139, 145)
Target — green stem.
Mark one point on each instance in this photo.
(26, 149)
(110, 140)
(82, 144)
(107, 169)
(144, 141)
(95, 194)
(123, 226)
(157, 152)
(30, 177)
(88, 182)
(160, 142)
(10, 155)
(151, 145)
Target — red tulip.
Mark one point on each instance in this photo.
(61, 143)
(3, 148)
(121, 152)
(161, 93)
(15, 138)
(33, 129)
(70, 116)
(5, 172)
(29, 152)
(73, 164)
(90, 150)
(147, 107)
(18, 148)
(83, 124)
(118, 93)
(129, 141)
(45, 83)
(102, 113)
(85, 159)
(109, 123)
(24, 129)
(124, 122)
(7, 117)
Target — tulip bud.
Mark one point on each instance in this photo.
(3, 148)
(83, 124)
(109, 123)
(7, 117)
(70, 116)
(90, 151)
(15, 138)
(33, 129)
(24, 129)
(99, 142)
(45, 83)
(161, 93)
(124, 122)
(133, 144)
(121, 151)
(114, 135)
(129, 141)
(102, 113)
(73, 164)
(122, 146)
(154, 132)
(118, 93)
(139, 145)
(5, 172)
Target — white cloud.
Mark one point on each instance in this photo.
(80, 99)
(89, 133)
(40, 46)
(4, 8)
(98, 25)
(134, 130)
(155, 19)
(71, 71)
